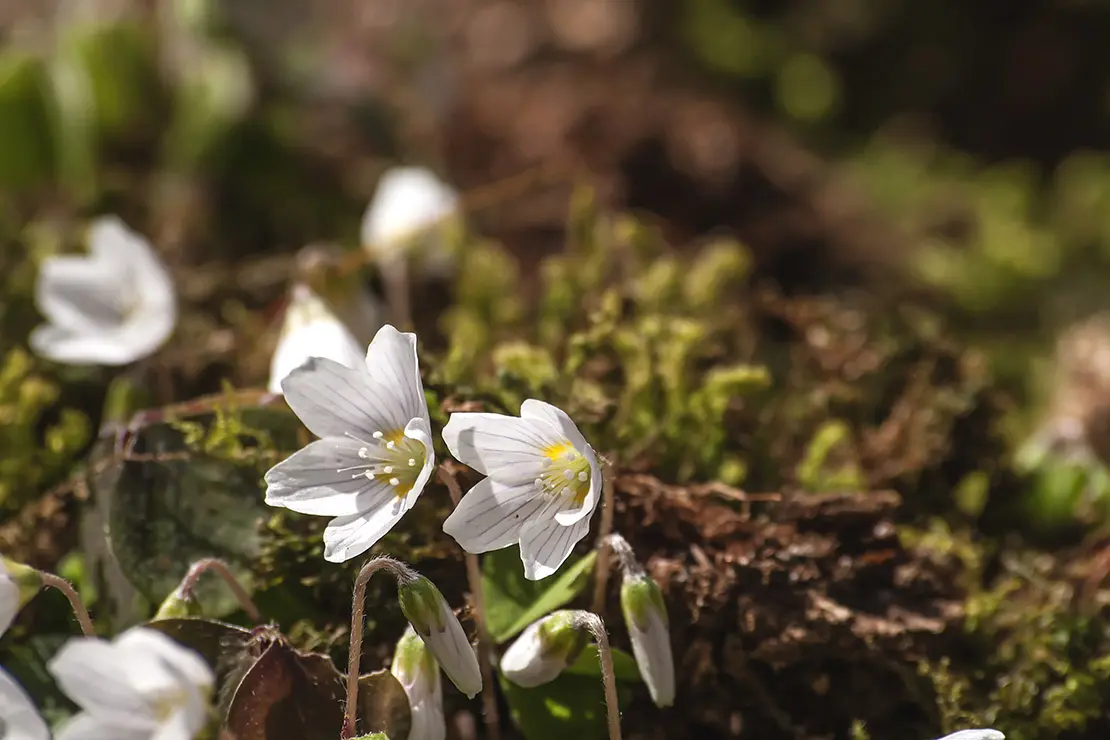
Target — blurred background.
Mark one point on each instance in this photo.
(914, 197)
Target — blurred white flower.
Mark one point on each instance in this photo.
(140, 686)
(10, 600)
(431, 617)
(417, 671)
(310, 329)
(542, 484)
(984, 734)
(409, 205)
(19, 719)
(112, 307)
(544, 650)
(374, 455)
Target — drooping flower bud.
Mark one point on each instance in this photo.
(417, 671)
(18, 584)
(178, 605)
(645, 613)
(428, 613)
(543, 650)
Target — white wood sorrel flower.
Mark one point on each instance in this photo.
(19, 719)
(310, 329)
(111, 307)
(542, 484)
(374, 455)
(544, 650)
(416, 670)
(409, 203)
(980, 734)
(140, 686)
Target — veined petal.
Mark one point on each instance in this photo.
(652, 648)
(334, 401)
(454, 653)
(408, 199)
(19, 719)
(491, 515)
(86, 726)
(533, 408)
(545, 545)
(420, 429)
(347, 537)
(317, 480)
(506, 448)
(391, 360)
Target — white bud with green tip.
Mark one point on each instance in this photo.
(418, 673)
(543, 650)
(432, 619)
(18, 584)
(645, 614)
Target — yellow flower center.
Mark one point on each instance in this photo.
(393, 459)
(566, 471)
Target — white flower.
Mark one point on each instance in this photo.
(140, 686)
(417, 671)
(19, 719)
(984, 734)
(431, 616)
(645, 613)
(409, 202)
(10, 599)
(374, 455)
(112, 307)
(542, 486)
(544, 650)
(310, 329)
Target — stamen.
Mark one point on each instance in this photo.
(364, 452)
(387, 469)
(390, 444)
(394, 482)
(369, 474)
(412, 462)
(568, 474)
(582, 476)
(378, 435)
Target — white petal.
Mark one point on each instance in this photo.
(391, 360)
(185, 667)
(85, 726)
(347, 537)
(181, 725)
(19, 719)
(454, 653)
(120, 346)
(310, 482)
(545, 545)
(80, 294)
(94, 674)
(113, 242)
(420, 429)
(535, 409)
(311, 330)
(418, 673)
(982, 734)
(503, 447)
(652, 648)
(524, 662)
(334, 401)
(428, 721)
(407, 200)
(9, 600)
(491, 515)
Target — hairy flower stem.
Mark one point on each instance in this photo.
(403, 574)
(601, 569)
(474, 574)
(78, 606)
(630, 567)
(189, 584)
(396, 275)
(596, 626)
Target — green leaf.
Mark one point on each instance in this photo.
(513, 602)
(573, 705)
(588, 664)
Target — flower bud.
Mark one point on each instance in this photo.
(18, 584)
(428, 613)
(648, 627)
(983, 734)
(178, 605)
(417, 671)
(543, 650)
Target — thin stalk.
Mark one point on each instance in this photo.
(57, 582)
(395, 273)
(490, 714)
(601, 570)
(596, 626)
(630, 567)
(403, 574)
(219, 567)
